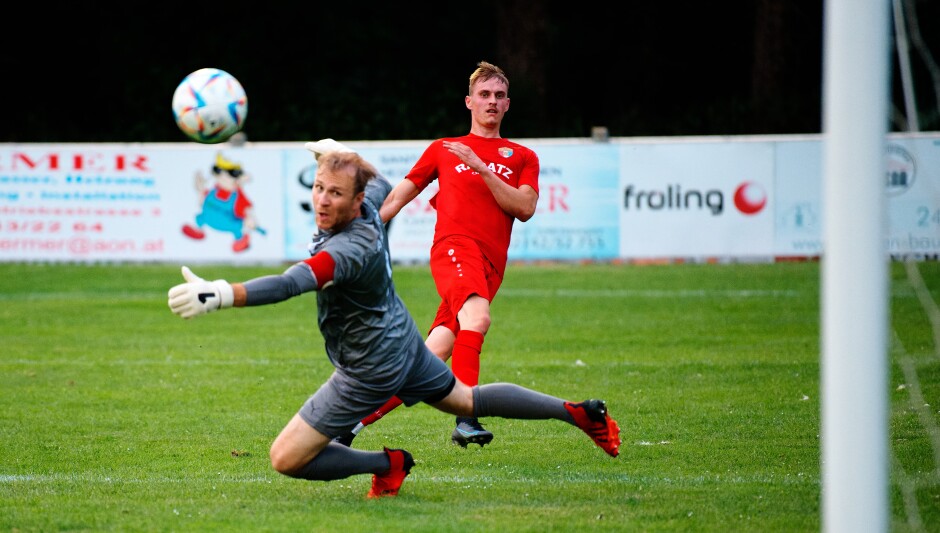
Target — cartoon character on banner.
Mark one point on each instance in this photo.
(225, 206)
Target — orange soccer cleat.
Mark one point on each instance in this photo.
(388, 483)
(591, 416)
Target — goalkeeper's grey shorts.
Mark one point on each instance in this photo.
(343, 401)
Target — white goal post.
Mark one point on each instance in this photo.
(854, 317)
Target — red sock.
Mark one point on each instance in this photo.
(465, 360)
(382, 411)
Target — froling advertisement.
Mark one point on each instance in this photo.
(703, 199)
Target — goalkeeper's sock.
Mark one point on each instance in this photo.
(465, 360)
(339, 462)
(508, 400)
(378, 413)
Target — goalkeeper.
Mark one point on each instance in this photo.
(371, 339)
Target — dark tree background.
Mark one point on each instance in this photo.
(106, 71)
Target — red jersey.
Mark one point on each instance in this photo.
(464, 204)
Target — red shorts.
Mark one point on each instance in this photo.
(460, 270)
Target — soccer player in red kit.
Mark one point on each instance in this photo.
(485, 183)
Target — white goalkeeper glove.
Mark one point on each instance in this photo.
(198, 296)
(326, 145)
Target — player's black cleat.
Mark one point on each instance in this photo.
(469, 431)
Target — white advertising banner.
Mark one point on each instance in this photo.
(576, 215)
(631, 199)
(798, 198)
(133, 203)
(912, 186)
(696, 199)
(912, 197)
(411, 232)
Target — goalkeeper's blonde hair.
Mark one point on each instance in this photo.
(362, 170)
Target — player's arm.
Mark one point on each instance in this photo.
(401, 194)
(519, 203)
(198, 296)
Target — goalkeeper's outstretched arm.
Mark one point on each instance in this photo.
(198, 296)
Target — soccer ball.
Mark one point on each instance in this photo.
(210, 106)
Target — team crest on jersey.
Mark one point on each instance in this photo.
(505, 152)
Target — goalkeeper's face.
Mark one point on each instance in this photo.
(335, 202)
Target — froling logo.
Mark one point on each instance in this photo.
(673, 198)
(750, 198)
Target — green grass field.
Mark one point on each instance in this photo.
(116, 415)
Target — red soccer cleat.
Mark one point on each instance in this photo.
(388, 483)
(591, 416)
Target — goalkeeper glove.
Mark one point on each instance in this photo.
(326, 145)
(198, 296)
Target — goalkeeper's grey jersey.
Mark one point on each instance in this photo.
(368, 331)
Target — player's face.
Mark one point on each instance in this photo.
(335, 203)
(488, 102)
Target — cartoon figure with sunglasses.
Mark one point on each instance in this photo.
(225, 207)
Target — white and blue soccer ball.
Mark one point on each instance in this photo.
(210, 106)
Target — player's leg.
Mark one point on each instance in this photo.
(441, 342)
(474, 319)
(303, 451)
(508, 400)
(464, 277)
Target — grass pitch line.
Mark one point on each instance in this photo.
(109, 479)
(624, 293)
(926, 418)
(918, 404)
(122, 296)
(926, 301)
(907, 485)
(908, 490)
(174, 362)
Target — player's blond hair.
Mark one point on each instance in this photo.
(486, 71)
